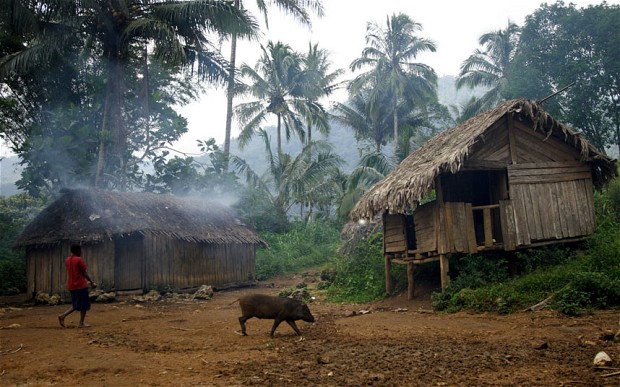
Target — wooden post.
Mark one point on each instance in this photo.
(410, 284)
(388, 275)
(444, 268)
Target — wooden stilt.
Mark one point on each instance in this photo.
(410, 284)
(388, 274)
(444, 268)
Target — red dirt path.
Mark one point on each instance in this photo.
(398, 343)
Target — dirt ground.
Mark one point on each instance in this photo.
(394, 342)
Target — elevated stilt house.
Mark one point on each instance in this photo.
(508, 179)
(138, 241)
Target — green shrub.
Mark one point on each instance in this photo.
(305, 245)
(612, 197)
(15, 213)
(12, 273)
(585, 291)
(360, 273)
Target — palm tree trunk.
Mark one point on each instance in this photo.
(395, 124)
(112, 129)
(279, 134)
(230, 94)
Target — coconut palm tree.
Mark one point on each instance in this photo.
(290, 180)
(110, 31)
(298, 9)
(318, 81)
(371, 169)
(389, 59)
(369, 121)
(489, 67)
(276, 85)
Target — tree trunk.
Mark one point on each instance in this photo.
(112, 130)
(230, 94)
(395, 125)
(279, 134)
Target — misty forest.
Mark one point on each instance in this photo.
(88, 95)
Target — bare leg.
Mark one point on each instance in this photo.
(82, 317)
(61, 317)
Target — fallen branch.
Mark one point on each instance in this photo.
(611, 374)
(7, 352)
(540, 305)
(606, 368)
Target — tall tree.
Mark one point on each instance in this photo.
(109, 31)
(318, 81)
(562, 45)
(370, 120)
(389, 59)
(489, 67)
(298, 9)
(276, 86)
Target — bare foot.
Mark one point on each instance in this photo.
(61, 321)
(84, 326)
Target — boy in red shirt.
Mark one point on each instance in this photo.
(77, 284)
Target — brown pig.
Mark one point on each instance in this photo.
(271, 307)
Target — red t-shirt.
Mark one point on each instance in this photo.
(75, 269)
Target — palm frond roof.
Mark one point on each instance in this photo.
(84, 215)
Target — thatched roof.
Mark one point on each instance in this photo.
(83, 215)
(414, 177)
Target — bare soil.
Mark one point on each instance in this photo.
(394, 342)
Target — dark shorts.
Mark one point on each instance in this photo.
(80, 300)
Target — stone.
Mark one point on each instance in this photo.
(602, 359)
(205, 292)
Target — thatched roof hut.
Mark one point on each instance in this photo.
(508, 179)
(139, 241)
(414, 178)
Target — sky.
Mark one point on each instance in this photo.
(453, 25)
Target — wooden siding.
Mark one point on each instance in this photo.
(492, 148)
(551, 201)
(424, 220)
(129, 262)
(145, 262)
(457, 227)
(394, 237)
(533, 146)
(182, 264)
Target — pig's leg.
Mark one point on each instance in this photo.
(242, 321)
(294, 326)
(275, 325)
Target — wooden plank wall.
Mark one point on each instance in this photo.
(424, 220)
(551, 200)
(394, 237)
(47, 273)
(99, 258)
(181, 264)
(457, 227)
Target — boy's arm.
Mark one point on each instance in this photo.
(92, 284)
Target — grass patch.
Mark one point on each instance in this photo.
(304, 246)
